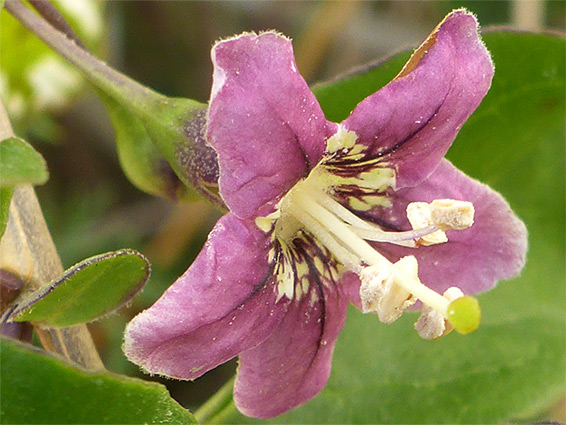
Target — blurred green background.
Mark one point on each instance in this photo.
(90, 206)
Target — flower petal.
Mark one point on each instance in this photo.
(264, 122)
(413, 120)
(350, 283)
(222, 305)
(293, 364)
(473, 259)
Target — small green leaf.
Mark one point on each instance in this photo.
(88, 290)
(20, 163)
(5, 199)
(43, 389)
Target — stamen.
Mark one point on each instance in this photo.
(338, 209)
(386, 288)
(444, 214)
(373, 287)
(313, 226)
(399, 238)
(380, 292)
(348, 238)
(449, 214)
(428, 297)
(419, 216)
(367, 230)
(390, 291)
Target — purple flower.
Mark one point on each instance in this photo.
(273, 282)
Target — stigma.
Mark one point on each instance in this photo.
(387, 289)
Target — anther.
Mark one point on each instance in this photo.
(449, 214)
(381, 292)
(443, 214)
(419, 215)
(390, 289)
(431, 323)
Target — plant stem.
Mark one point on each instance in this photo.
(226, 415)
(27, 250)
(217, 406)
(113, 83)
(52, 15)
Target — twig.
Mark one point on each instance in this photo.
(330, 19)
(112, 82)
(52, 15)
(528, 15)
(27, 250)
(219, 406)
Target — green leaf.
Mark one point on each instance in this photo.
(86, 291)
(387, 375)
(20, 163)
(44, 389)
(339, 97)
(5, 199)
(511, 368)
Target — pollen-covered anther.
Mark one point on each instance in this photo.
(449, 214)
(381, 293)
(420, 216)
(431, 324)
(444, 214)
(373, 282)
